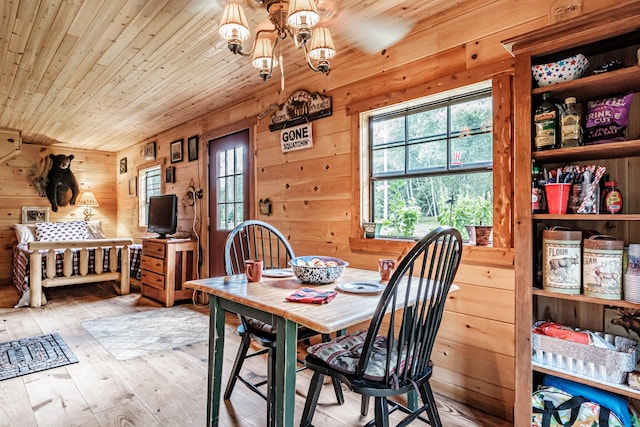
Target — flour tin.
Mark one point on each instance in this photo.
(561, 261)
(602, 267)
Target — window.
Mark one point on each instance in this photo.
(150, 185)
(230, 187)
(430, 163)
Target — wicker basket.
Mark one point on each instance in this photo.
(587, 360)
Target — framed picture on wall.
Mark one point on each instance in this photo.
(149, 151)
(170, 174)
(192, 148)
(35, 214)
(123, 165)
(176, 151)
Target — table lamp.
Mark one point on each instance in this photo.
(88, 201)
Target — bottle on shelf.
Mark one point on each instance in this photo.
(545, 121)
(611, 198)
(570, 124)
(538, 202)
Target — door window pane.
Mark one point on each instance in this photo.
(230, 184)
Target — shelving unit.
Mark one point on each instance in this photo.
(612, 33)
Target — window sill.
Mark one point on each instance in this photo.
(475, 254)
(380, 245)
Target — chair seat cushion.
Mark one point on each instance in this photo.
(258, 326)
(343, 354)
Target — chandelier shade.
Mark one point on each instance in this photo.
(322, 47)
(234, 24)
(303, 14)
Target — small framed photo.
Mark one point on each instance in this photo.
(170, 174)
(150, 151)
(192, 148)
(123, 165)
(176, 151)
(133, 186)
(35, 214)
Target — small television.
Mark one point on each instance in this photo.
(162, 215)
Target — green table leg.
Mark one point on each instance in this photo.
(285, 375)
(216, 350)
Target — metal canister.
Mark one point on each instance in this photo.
(602, 267)
(561, 261)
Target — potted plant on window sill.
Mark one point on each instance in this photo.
(479, 235)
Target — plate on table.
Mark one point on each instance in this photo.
(361, 287)
(277, 272)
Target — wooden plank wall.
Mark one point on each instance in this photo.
(187, 174)
(316, 192)
(95, 171)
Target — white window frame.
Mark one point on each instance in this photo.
(144, 192)
(365, 151)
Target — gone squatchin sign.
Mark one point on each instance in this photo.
(296, 138)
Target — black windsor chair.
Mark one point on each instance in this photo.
(258, 240)
(392, 357)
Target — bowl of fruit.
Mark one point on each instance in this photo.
(317, 269)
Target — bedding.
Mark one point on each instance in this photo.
(68, 252)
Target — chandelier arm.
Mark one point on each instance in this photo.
(324, 69)
(255, 43)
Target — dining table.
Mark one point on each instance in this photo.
(265, 300)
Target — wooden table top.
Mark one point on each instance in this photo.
(269, 295)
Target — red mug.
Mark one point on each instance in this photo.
(386, 267)
(253, 270)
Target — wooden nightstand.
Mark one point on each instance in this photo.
(166, 265)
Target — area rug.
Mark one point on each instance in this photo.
(28, 355)
(145, 332)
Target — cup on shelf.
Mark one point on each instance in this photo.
(253, 270)
(557, 197)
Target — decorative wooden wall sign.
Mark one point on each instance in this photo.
(302, 106)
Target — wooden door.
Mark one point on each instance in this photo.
(229, 184)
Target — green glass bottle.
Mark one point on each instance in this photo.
(545, 123)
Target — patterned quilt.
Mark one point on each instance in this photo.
(20, 267)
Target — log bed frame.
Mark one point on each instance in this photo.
(37, 297)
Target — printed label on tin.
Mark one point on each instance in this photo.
(602, 273)
(561, 266)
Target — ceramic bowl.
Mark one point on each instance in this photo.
(313, 269)
(560, 71)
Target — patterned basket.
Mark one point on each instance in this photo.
(587, 360)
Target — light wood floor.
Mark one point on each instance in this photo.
(166, 388)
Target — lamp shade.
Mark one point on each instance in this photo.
(87, 199)
(303, 14)
(322, 47)
(263, 54)
(234, 24)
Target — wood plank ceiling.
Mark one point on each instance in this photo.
(105, 74)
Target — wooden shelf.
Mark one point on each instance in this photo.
(587, 217)
(596, 86)
(584, 298)
(621, 389)
(609, 150)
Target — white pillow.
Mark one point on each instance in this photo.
(94, 229)
(60, 231)
(25, 233)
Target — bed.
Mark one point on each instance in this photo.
(65, 253)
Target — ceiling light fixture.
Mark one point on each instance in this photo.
(293, 18)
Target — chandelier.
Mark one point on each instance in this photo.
(296, 19)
